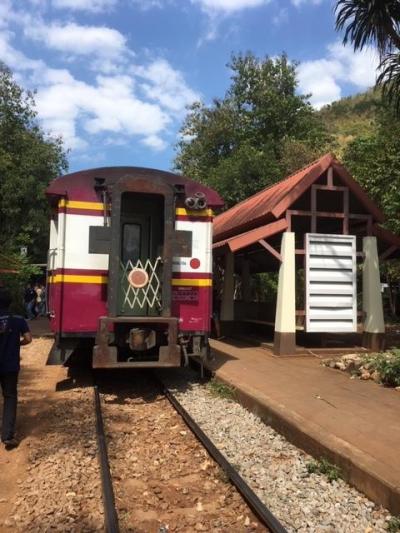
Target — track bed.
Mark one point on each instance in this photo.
(164, 480)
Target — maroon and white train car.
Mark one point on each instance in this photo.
(130, 266)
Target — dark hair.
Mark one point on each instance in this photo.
(5, 298)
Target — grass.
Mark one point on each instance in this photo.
(217, 388)
(323, 466)
(393, 524)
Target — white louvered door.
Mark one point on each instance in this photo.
(331, 283)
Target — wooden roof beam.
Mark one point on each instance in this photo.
(271, 249)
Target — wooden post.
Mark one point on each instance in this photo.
(246, 280)
(374, 325)
(227, 313)
(285, 317)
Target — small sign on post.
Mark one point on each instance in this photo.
(23, 251)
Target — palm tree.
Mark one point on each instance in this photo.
(375, 22)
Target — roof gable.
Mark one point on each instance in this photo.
(271, 203)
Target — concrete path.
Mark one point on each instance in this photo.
(353, 423)
(40, 327)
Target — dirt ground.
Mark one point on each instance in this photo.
(36, 386)
(51, 482)
(41, 487)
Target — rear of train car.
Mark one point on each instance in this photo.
(130, 266)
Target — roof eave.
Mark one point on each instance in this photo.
(243, 240)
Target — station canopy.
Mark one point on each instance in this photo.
(320, 198)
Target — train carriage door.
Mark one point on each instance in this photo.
(142, 231)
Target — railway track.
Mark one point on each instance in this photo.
(156, 476)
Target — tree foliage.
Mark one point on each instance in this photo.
(29, 160)
(260, 131)
(15, 271)
(366, 136)
(375, 22)
(374, 160)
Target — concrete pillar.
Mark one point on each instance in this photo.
(374, 324)
(285, 317)
(228, 288)
(246, 280)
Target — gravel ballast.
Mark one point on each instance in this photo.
(275, 469)
(164, 480)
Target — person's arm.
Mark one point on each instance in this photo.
(26, 338)
(25, 333)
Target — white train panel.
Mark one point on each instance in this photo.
(77, 239)
(201, 247)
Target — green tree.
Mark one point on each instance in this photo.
(29, 160)
(246, 140)
(374, 161)
(375, 22)
(373, 158)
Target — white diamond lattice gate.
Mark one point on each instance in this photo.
(150, 294)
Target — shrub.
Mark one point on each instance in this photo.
(323, 466)
(393, 525)
(217, 388)
(388, 366)
(382, 367)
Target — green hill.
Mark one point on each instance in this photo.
(350, 117)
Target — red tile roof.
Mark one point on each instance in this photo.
(250, 237)
(270, 203)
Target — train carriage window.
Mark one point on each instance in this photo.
(131, 243)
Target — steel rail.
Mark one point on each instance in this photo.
(251, 498)
(110, 514)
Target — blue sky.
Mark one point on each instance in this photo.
(114, 77)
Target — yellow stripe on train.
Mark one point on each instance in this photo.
(75, 204)
(182, 282)
(76, 278)
(193, 213)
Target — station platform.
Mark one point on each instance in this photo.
(354, 424)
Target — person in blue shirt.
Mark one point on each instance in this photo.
(14, 332)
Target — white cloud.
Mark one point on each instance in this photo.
(228, 6)
(360, 67)
(77, 39)
(12, 57)
(5, 13)
(319, 78)
(299, 3)
(140, 102)
(107, 106)
(166, 86)
(218, 10)
(94, 6)
(145, 5)
(281, 17)
(155, 142)
(323, 78)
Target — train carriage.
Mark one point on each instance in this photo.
(130, 266)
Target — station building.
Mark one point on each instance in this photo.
(322, 236)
